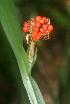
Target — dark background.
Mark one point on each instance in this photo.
(51, 70)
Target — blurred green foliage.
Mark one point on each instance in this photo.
(53, 54)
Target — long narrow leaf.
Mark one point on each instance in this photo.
(12, 29)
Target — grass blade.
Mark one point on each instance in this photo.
(10, 23)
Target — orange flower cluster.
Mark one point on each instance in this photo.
(41, 28)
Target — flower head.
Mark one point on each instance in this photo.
(39, 28)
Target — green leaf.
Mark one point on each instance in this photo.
(34, 57)
(37, 91)
(10, 23)
(12, 29)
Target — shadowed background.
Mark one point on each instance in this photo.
(51, 70)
